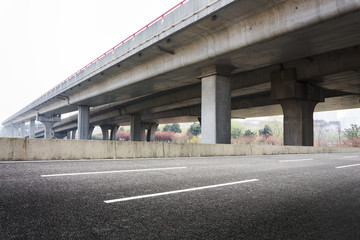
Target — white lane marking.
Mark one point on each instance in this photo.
(296, 160)
(349, 156)
(347, 166)
(178, 191)
(118, 171)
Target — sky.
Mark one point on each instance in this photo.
(43, 42)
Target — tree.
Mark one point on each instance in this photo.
(353, 132)
(235, 133)
(195, 129)
(167, 128)
(176, 128)
(172, 128)
(266, 131)
(249, 133)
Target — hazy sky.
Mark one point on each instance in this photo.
(43, 42)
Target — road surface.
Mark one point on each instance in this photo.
(245, 197)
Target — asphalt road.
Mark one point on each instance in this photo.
(258, 197)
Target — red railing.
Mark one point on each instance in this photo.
(119, 44)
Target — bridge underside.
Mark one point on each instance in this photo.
(281, 57)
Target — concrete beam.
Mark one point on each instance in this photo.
(314, 68)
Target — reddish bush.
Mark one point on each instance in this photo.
(262, 139)
(352, 142)
(272, 140)
(180, 138)
(123, 136)
(164, 136)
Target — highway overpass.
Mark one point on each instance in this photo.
(212, 61)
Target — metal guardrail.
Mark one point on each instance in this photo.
(115, 47)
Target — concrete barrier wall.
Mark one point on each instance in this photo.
(13, 149)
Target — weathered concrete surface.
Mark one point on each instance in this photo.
(216, 109)
(20, 149)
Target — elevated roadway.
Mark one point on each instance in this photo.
(213, 60)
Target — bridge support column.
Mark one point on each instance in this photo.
(73, 134)
(68, 135)
(91, 130)
(32, 128)
(105, 131)
(48, 129)
(150, 137)
(22, 129)
(298, 101)
(83, 122)
(48, 122)
(113, 132)
(216, 105)
(8, 131)
(15, 130)
(136, 129)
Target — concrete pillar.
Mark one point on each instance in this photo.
(14, 130)
(91, 130)
(298, 101)
(48, 121)
(216, 105)
(48, 129)
(105, 131)
(8, 131)
(73, 134)
(22, 129)
(68, 135)
(32, 128)
(83, 122)
(150, 137)
(136, 128)
(298, 122)
(114, 130)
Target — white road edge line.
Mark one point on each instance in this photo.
(178, 191)
(296, 160)
(349, 156)
(105, 172)
(346, 166)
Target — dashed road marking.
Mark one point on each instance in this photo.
(178, 191)
(349, 156)
(296, 160)
(118, 171)
(347, 166)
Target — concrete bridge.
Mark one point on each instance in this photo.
(213, 60)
